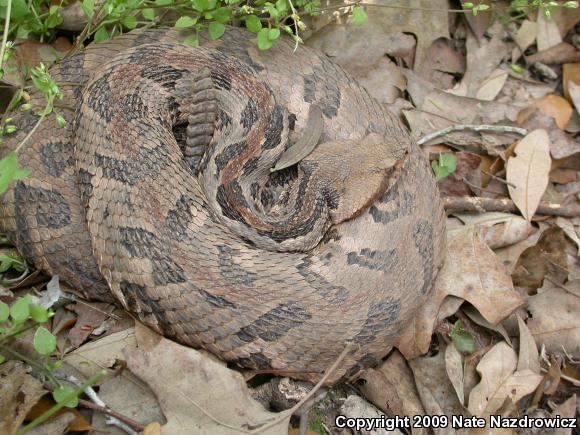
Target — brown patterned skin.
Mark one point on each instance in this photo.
(159, 192)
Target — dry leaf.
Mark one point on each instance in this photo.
(436, 391)
(570, 77)
(99, 354)
(392, 389)
(528, 357)
(78, 424)
(555, 322)
(480, 22)
(559, 54)
(492, 86)
(55, 426)
(443, 63)
(561, 144)
(19, 392)
(565, 410)
(548, 32)
(483, 58)
(551, 105)
(568, 228)
(529, 171)
(90, 316)
(499, 382)
(525, 36)
(471, 272)
(547, 256)
(355, 407)
(196, 393)
(454, 367)
(500, 229)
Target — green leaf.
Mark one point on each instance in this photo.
(19, 10)
(200, 5)
(66, 395)
(449, 161)
(517, 69)
(253, 24)
(282, 6)
(264, 42)
(53, 20)
(38, 313)
(148, 14)
(44, 341)
(185, 22)
(216, 30)
(101, 35)
(222, 15)
(273, 34)
(445, 165)
(163, 2)
(129, 21)
(192, 41)
(4, 312)
(60, 121)
(359, 15)
(2, 358)
(9, 171)
(462, 339)
(20, 310)
(88, 7)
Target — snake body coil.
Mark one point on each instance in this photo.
(161, 192)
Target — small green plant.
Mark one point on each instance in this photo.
(24, 315)
(462, 339)
(444, 165)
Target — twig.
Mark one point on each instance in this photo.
(311, 393)
(30, 133)
(112, 418)
(90, 405)
(477, 128)
(482, 205)
(501, 180)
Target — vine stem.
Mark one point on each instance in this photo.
(46, 415)
(32, 363)
(6, 29)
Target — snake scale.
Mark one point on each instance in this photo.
(161, 192)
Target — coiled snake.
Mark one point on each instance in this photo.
(174, 188)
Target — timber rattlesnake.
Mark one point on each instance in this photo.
(160, 189)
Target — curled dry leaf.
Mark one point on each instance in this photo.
(500, 229)
(529, 172)
(499, 382)
(471, 272)
(568, 228)
(196, 393)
